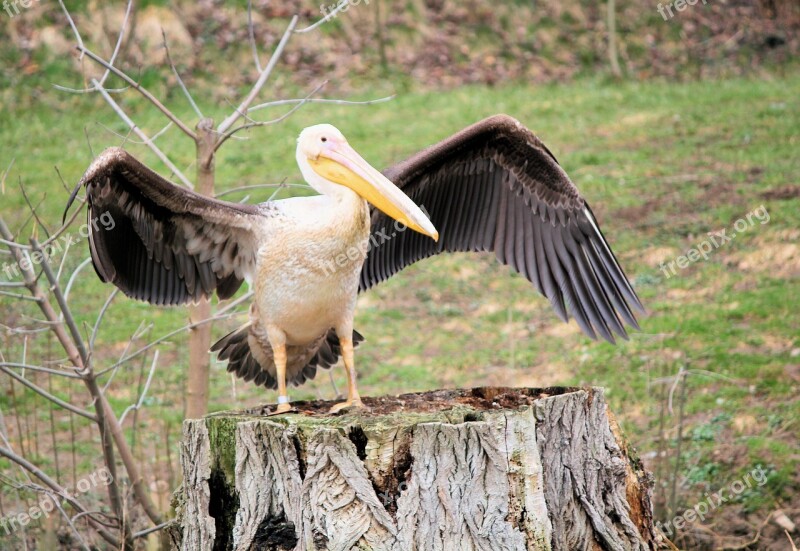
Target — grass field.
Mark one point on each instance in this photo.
(661, 164)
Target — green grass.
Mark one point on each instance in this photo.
(661, 164)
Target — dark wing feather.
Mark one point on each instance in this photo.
(162, 243)
(494, 186)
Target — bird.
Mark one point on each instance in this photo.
(493, 187)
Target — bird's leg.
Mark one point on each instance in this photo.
(277, 339)
(353, 399)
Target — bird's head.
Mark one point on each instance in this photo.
(328, 162)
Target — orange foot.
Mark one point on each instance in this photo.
(354, 403)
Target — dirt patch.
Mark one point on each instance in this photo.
(655, 256)
(780, 260)
(782, 193)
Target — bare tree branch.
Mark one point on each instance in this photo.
(251, 31)
(331, 14)
(226, 125)
(152, 530)
(153, 147)
(128, 139)
(62, 303)
(100, 317)
(57, 372)
(60, 491)
(34, 209)
(222, 139)
(179, 79)
(111, 59)
(158, 341)
(140, 401)
(5, 175)
(43, 393)
(78, 38)
(106, 420)
(136, 86)
(279, 185)
(74, 277)
(61, 88)
(280, 102)
(18, 296)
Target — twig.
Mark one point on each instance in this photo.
(280, 102)
(106, 421)
(60, 373)
(100, 317)
(43, 393)
(63, 261)
(88, 142)
(110, 60)
(61, 88)
(74, 277)
(179, 79)
(252, 33)
(18, 296)
(244, 298)
(71, 523)
(78, 38)
(149, 531)
(280, 185)
(136, 130)
(140, 401)
(328, 16)
(254, 124)
(127, 138)
(678, 378)
(23, 330)
(791, 541)
(61, 492)
(158, 341)
(62, 303)
(34, 210)
(5, 175)
(226, 125)
(135, 85)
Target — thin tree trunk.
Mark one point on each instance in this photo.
(613, 57)
(200, 336)
(489, 468)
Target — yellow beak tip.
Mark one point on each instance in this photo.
(436, 236)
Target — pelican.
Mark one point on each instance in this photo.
(493, 186)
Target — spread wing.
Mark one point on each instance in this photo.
(494, 186)
(162, 243)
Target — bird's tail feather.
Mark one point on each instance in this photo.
(251, 358)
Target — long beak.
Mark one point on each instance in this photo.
(341, 164)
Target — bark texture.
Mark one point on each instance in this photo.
(483, 469)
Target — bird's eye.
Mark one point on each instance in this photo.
(324, 139)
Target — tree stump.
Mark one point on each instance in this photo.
(488, 468)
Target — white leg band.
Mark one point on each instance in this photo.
(283, 399)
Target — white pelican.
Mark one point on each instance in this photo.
(493, 186)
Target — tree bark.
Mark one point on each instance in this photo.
(488, 468)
